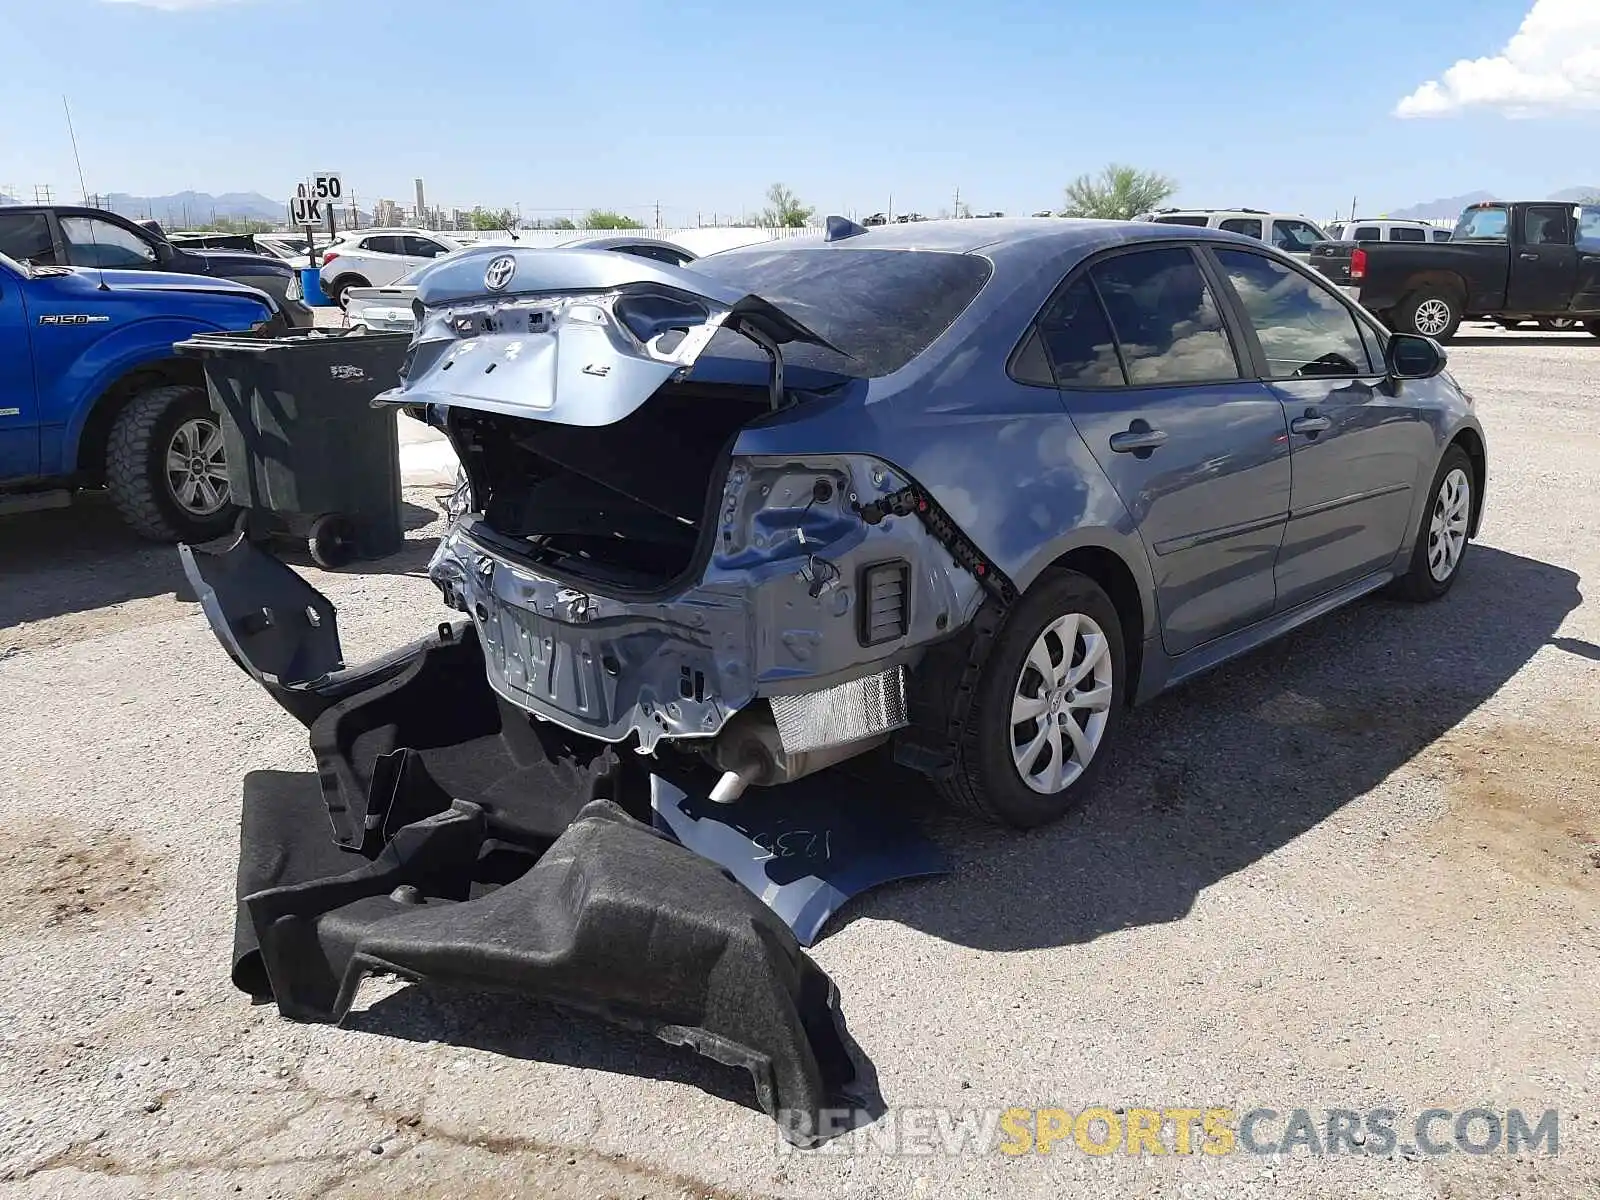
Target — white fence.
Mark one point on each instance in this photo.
(699, 240)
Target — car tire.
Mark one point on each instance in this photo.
(1443, 534)
(1068, 623)
(1431, 311)
(156, 428)
(1558, 324)
(342, 286)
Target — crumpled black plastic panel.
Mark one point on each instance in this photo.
(613, 919)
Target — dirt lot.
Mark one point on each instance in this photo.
(1359, 869)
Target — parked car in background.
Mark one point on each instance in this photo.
(1289, 232)
(92, 395)
(291, 247)
(60, 235)
(377, 258)
(975, 487)
(1534, 260)
(388, 309)
(1385, 230)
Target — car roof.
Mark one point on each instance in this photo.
(991, 233)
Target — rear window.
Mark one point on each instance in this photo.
(881, 307)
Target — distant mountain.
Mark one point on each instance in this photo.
(1451, 206)
(196, 208)
(1448, 206)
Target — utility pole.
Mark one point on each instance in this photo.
(956, 211)
(1352, 208)
(658, 214)
(41, 193)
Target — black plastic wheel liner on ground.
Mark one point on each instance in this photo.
(613, 919)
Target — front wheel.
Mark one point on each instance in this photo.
(1430, 311)
(1442, 538)
(166, 469)
(1048, 701)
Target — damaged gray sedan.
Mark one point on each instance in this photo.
(972, 486)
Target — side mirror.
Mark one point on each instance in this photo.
(1412, 356)
(165, 253)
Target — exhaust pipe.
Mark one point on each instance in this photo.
(750, 752)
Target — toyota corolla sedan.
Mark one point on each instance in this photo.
(972, 488)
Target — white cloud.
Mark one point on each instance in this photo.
(1551, 65)
(175, 5)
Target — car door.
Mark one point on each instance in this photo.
(1586, 293)
(19, 399)
(1544, 262)
(96, 242)
(1356, 439)
(1198, 452)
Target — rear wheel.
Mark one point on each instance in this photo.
(1442, 538)
(165, 466)
(1048, 701)
(1558, 324)
(342, 286)
(1431, 311)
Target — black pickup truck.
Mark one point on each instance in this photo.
(1534, 260)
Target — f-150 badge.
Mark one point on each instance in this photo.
(73, 319)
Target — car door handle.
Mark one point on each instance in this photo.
(1312, 423)
(1139, 436)
(1528, 257)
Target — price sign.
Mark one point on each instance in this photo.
(327, 185)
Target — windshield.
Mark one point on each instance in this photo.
(1482, 224)
(881, 307)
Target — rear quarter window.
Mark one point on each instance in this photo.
(881, 307)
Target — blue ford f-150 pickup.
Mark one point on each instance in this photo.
(92, 394)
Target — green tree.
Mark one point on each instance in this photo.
(491, 218)
(784, 209)
(561, 223)
(600, 218)
(1119, 194)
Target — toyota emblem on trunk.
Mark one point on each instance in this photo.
(499, 273)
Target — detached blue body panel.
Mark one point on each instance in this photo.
(67, 337)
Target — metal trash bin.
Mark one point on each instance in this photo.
(308, 455)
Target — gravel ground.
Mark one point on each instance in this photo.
(1358, 869)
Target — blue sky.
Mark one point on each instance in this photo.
(700, 106)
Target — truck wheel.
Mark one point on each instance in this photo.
(1558, 324)
(165, 467)
(1430, 311)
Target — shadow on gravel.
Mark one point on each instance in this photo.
(1227, 769)
(82, 558)
(1560, 341)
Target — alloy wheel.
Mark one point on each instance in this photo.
(1432, 317)
(197, 469)
(1061, 703)
(1447, 530)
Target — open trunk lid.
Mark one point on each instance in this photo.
(573, 337)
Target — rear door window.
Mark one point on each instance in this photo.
(1588, 228)
(1166, 320)
(1077, 339)
(26, 238)
(1404, 233)
(1547, 225)
(1249, 226)
(1368, 233)
(1304, 329)
(382, 244)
